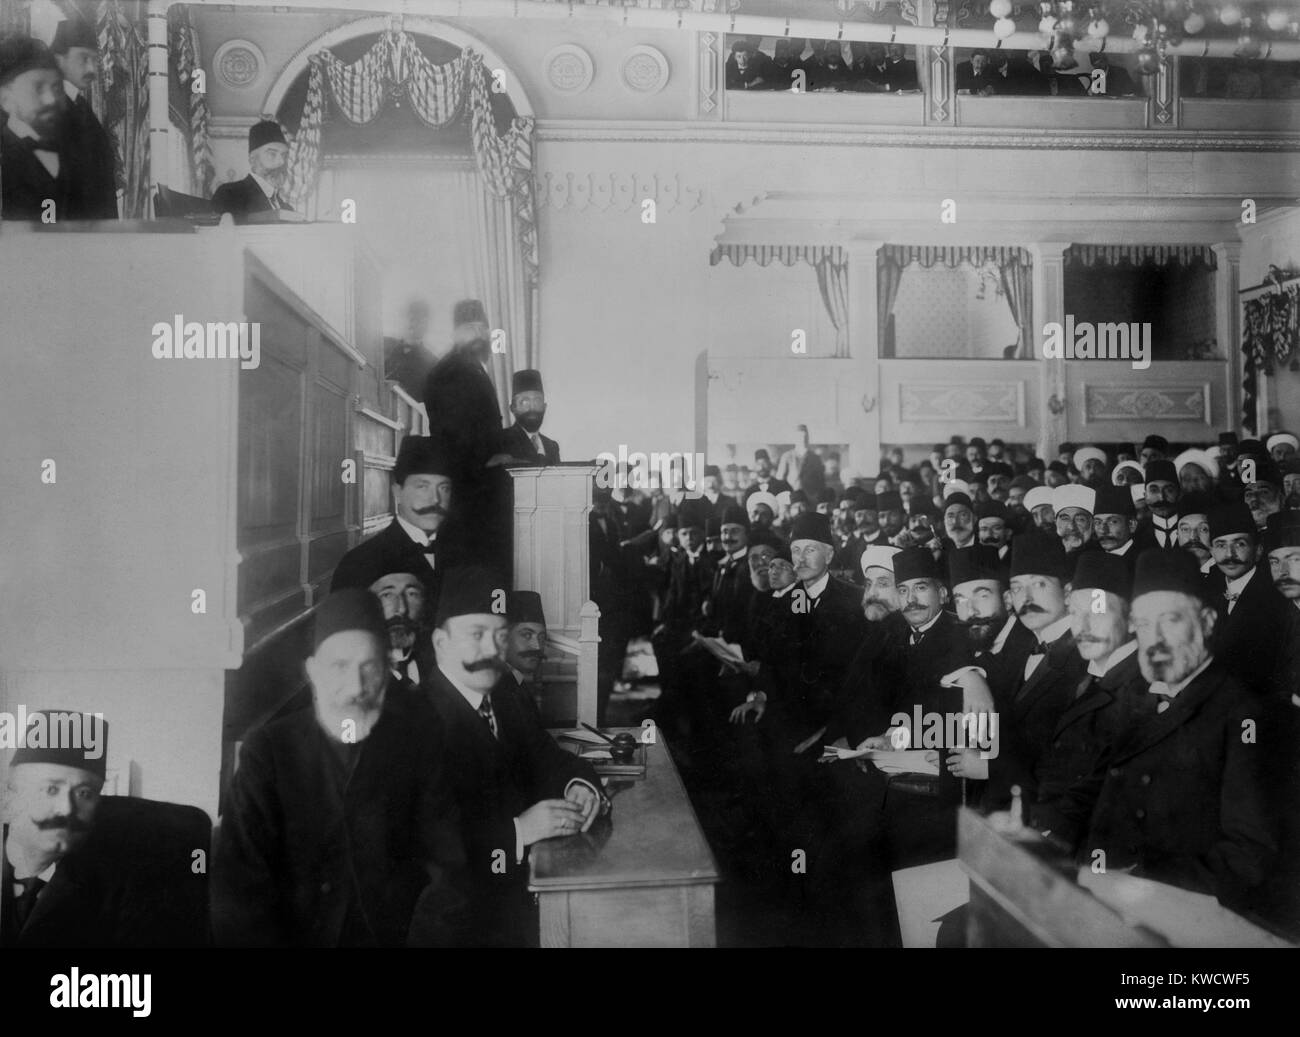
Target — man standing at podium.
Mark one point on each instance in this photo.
(523, 440)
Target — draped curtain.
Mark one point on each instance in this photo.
(1140, 255)
(183, 43)
(1270, 339)
(1015, 274)
(437, 94)
(121, 100)
(829, 263)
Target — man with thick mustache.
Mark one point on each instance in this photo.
(525, 647)
(514, 786)
(959, 521)
(1252, 619)
(1038, 503)
(1074, 505)
(1194, 527)
(35, 164)
(1183, 798)
(340, 829)
(1160, 527)
(415, 541)
(262, 191)
(1114, 522)
(523, 440)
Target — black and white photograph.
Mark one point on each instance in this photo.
(636, 474)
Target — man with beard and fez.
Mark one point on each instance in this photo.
(1252, 624)
(262, 190)
(514, 786)
(1183, 799)
(465, 422)
(1160, 527)
(81, 870)
(1029, 691)
(523, 440)
(415, 541)
(1114, 524)
(764, 480)
(89, 147)
(35, 163)
(1194, 527)
(340, 829)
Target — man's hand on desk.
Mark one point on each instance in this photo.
(549, 818)
(966, 763)
(581, 795)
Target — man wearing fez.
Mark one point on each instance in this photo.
(1263, 491)
(1154, 448)
(54, 890)
(525, 646)
(513, 784)
(523, 440)
(1114, 523)
(1110, 697)
(1194, 527)
(1182, 799)
(1160, 527)
(994, 526)
(690, 581)
(262, 191)
(414, 542)
(89, 147)
(35, 166)
(1252, 619)
(828, 623)
(764, 480)
(959, 521)
(340, 829)
(1030, 690)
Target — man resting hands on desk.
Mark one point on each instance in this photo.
(513, 784)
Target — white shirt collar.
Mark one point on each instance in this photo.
(928, 624)
(736, 556)
(416, 533)
(73, 92)
(1100, 669)
(520, 678)
(785, 590)
(267, 187)
(44, 876)
(21, 129)
(1239, 584)
(814, 590)
(1124, 549)
(474, 698)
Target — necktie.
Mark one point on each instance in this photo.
(430, 548)
(1231, 599)
(40, 144)
(1161, 691)
(485, 711)
(916, 638)
(26, 900)
(1087, 685)
(538, 449)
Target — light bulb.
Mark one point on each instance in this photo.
(1099, 28)
(1194, 23)
(1003, 28)
(1277, 19)
(1230, 15)
(1000, 8)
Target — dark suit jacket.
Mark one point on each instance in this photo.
(1251, 640)
(242, 198)
(25, 183)
(865, 700)
(464, 416)
(1184, 796)
(688, 587)
(515, 442)
(392, 551)
(1028, 714)
(1144, 537)
(130, 884)
(93, 164)
(311, 856)
(828, 636)
(729, 597)
(495, 779)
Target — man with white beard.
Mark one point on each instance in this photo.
(1183, 797)
(262, 191)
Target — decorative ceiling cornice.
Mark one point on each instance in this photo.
(555, 130)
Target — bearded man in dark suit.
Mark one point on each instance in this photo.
(523, 440)
(35, 167)
(262, 191)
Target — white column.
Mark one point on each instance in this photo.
(864, 348)
(159, 122)
(1049, 307)
(1227, 314)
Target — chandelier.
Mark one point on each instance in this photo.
(1155, 24)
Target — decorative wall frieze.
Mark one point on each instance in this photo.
(1149, 403)
(239, 64)
(644, 70)
(618, 192)
(568, 69)
(708, 74)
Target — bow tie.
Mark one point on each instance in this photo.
(430, 547)
(1039, 649)
(1231, 597)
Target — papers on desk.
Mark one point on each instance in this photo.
(899, 761)
(581, 735)
(1184, 918)
(725, 653)
(595, 754)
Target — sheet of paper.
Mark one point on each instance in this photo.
(580, 735)
(904, 761)
(595, 754)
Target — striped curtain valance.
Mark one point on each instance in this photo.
(1141, 255)
(786, 255)
(952, 256)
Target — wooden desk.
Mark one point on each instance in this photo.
(648, 882)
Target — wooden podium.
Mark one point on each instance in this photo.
(552, 556)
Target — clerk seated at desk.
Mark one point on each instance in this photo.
(513, 784)
(262, 190)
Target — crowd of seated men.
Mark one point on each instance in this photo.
(1124, 622)
(830, 66)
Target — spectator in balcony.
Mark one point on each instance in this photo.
(801, 467)
(902, 70)
(748, 68)
(1116, 82)
(976, 75)
(826, 70)
(869, 70)
(786, 63)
